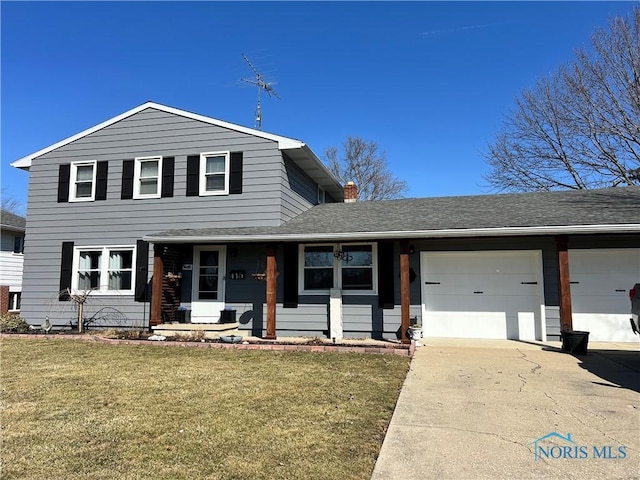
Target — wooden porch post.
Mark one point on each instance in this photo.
(156, 285)
(271, 292)
(405, 301)
(564, 283)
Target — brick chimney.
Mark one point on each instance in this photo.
(350, 192)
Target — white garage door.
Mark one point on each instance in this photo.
(600, 283)
(496, 294)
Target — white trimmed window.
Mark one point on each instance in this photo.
(18, 244)
(82, 182)
(214, 173)
(321, 195)
(105, 270)
(349, 267)
(147, 179)
(14, 301)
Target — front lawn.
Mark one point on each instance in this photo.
(80, 410)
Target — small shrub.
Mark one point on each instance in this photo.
(13, 323)
(191, 336)
(134, 334)
(124, 334)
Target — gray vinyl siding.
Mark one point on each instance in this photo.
(121, 222)
(552, 319)
(299, 192)
(312, 320)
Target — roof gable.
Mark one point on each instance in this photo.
(284, 143)
(297, 149)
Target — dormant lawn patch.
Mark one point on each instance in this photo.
(78, 410)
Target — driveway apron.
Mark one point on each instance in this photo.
(474, 409)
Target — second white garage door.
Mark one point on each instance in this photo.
(600, 283)
(488, 294)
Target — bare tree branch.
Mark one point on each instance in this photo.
(362, 163)
(10, 204)
(580, 126)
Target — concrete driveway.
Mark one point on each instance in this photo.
(473, 409)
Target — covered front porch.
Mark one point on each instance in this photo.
(261, 282)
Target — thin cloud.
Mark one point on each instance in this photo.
(461, 29)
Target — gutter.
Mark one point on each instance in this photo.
(398, 234)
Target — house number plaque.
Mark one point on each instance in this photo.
(236, 275)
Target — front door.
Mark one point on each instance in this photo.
(207, 296)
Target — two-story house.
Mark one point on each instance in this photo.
(159, 210)
(12, 229)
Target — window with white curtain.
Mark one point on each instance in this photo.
(82, 182)
(106, 270)
(147, 177)
(214, 173)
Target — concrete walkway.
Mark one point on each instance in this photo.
(471, 409)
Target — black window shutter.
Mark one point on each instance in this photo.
(168, 166)
(193, 174)
(127, 180)
(142, 270)
(66, 271)
(101, 180)
(235, 173)
(386, 285)
(290, 281)
(63, 182)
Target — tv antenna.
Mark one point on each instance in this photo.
(262, 85)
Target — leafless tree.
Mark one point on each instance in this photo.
(361, 162)
(580, 126)
(10, 204)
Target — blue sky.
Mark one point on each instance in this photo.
(428, 81)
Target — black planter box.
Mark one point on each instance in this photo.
(575, 342)
(183, 316)
(227, 316)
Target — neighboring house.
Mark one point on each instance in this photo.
(12, 229)
(159, 209)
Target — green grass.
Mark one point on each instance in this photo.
(78, 410)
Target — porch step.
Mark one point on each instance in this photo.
(209, 330)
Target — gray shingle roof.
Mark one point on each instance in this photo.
(522, 212)
(12, 221)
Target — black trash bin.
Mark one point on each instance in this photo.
(575, 342)
(227, 316)
(183, 316)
